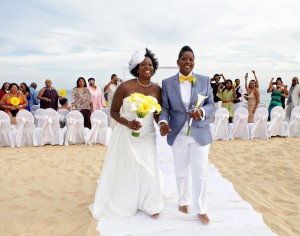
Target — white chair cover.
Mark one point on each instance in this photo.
(51, 133)
(276, 126)
(62, 113)
(259, 128)
(220, 130)
(26, 132)
(75, 128)
(100, 132)
(294, 124)
(240, 124)
(39, 117)
(6, 135)
(34, 108)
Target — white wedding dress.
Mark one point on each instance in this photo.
(129, 179)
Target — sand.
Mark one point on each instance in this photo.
(47, 190)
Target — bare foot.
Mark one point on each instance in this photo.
(204, 219)
(184, 209)
(154, 216)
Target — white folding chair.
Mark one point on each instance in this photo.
(240, 124)
(100, 132)
(276, 126)
(293, 129)
(220, 127)
(39, 117)
(62, 113)
(34, 108)
(6, 135)
(75, 128)
(26, 132)
(51, 133)
(259, 128)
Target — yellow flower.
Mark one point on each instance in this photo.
(143, 109)
(62, 92)
(158, 108)
(15, 101)
(194, 81)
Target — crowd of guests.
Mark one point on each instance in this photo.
(231, 96)
(86, 99)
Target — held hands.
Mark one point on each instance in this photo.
(164, 128)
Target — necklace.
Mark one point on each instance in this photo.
(145, 86)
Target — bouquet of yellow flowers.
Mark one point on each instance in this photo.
(15, 101)
(142, 105)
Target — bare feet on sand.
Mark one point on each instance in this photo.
(184, 209)
(154, 216)
(204, 218)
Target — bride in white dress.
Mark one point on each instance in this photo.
(129, 180)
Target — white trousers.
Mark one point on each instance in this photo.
(190, 163)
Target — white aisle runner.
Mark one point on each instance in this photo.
(230, 215)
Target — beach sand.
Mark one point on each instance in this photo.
(47, 190)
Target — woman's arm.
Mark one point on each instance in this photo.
(256, 80)
(270, 89)
(257, 98)
(41, 92)
(246, 84)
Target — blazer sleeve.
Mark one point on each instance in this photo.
(164, 115)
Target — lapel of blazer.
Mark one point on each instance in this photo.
(193, 91)
(177, 89)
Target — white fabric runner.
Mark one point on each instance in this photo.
(229, 213)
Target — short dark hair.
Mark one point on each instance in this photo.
(279, 78)
(12, 84)
(91, 79)
(185, 49)
(216, 76)
(152, 57)
(113, 75)
(77, 83)
(236, 79)
(63, 101)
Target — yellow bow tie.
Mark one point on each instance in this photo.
(183, 78)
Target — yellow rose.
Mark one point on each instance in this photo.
(15, 101)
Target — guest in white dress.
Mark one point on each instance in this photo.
(129, 179)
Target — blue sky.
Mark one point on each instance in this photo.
(65, 39)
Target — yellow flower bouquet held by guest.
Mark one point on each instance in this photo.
(199, 101)
(62, 92)
(15, 101)
(142, 105)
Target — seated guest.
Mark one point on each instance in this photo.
(64, 104)
(13, 101)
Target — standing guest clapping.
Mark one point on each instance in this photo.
(227, 94)
(180, 94)
(82, 101)
(48, 96)
(252, 96)
(96, 95)
(277, 90)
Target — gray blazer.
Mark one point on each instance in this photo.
(175, 113)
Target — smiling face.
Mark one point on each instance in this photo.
(251, 84)
(186, 63)
(6, 85)
(14, 89)
(81, 83)
(146, 68)
(48, 83)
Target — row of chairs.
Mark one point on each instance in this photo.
(261, 128)
(44, 127)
